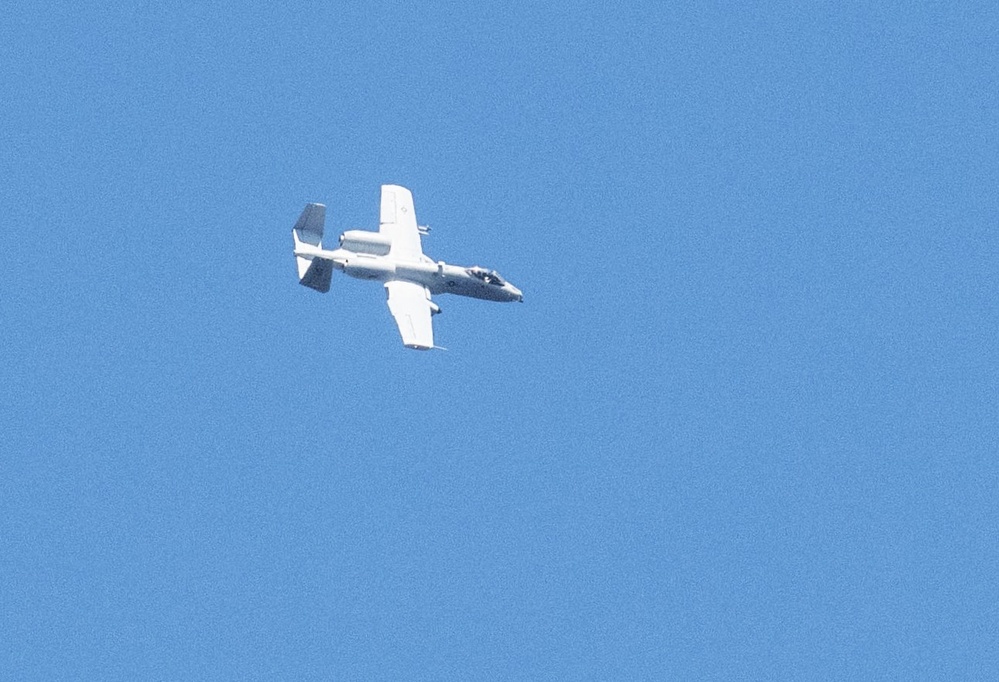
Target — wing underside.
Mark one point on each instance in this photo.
(409, 304)
(397, 219)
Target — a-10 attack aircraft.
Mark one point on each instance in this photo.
(393, 255)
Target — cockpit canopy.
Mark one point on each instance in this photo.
(487, 276)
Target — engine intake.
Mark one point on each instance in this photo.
(361, 241)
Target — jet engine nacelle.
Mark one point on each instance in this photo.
(368, 267)
(360, 241)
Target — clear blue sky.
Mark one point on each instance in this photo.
(743, 426)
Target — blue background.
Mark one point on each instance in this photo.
(744, 424)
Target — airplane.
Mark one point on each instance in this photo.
(393, 255)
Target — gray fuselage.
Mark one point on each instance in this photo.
(439, 277)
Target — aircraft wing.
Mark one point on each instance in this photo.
(398, 222)
(410, 306)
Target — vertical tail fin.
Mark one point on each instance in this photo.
(313, 272)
